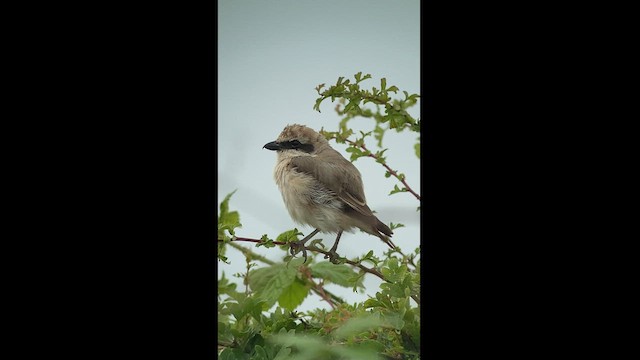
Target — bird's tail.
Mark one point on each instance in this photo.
(384, 233)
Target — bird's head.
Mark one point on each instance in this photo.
(298, 139)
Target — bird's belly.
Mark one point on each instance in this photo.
(308, 202)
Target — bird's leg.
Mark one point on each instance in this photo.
(333, 256)
(295, 246)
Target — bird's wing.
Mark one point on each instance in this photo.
(338, 175)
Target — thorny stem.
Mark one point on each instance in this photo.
(391, 171)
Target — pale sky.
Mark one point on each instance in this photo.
(271, 56)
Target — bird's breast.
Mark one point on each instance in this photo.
(307, 200)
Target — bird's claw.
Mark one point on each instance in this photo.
(295, 247)
(333, 257)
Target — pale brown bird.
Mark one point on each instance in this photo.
(321, 188)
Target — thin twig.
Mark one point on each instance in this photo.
(307, 273)
(258, 257)
(353, 263)
(313, 248)
(391, 171)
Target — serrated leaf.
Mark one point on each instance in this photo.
(293, 295)
(224, 205)
(341, 274)
(271, 281)
(250, 306)
(227, 220)
(289, 235)
(317, 105)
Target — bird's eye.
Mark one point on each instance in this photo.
(295, 143)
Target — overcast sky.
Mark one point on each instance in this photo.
(271, 56)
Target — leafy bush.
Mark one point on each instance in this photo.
(386, 326)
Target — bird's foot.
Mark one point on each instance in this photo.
(297, 246)
(333, 257)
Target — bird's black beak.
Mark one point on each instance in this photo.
(272, 146)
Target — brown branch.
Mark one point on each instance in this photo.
(391, 171)
(320, 291)
(353, 263)
(350, 262)
(257, 241)
(318, 287)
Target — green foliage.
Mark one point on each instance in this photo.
(340, 274)
(396, 190)
(228, 221)
(394, 116)
(393, 226)
(260, 321)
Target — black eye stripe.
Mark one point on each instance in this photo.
(295, 144)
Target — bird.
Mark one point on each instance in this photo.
(321, 188)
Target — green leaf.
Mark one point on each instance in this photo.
(227, 220)
(355, 326)
(233, 354)
(226, 287)
(341, 274)
(379, 156)
(393, 226)
(250, 306)
(270, 282)
(260, 353)
(369, 303)
(396, 189)
(309, 346)
(224, 205)
(394, 320)
(394, 290)
(417, 148)
(293, 295)
(289, 235)
(283, 354)
(317, 105)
